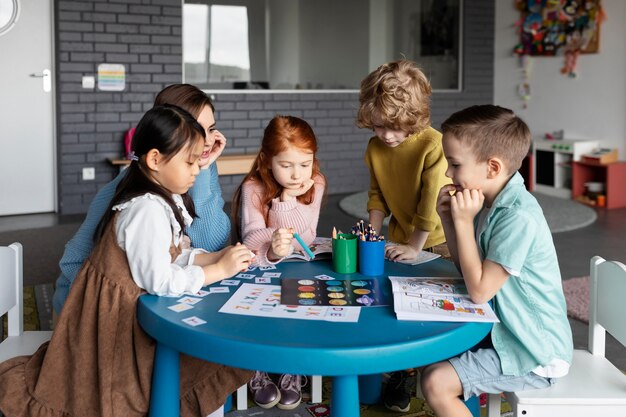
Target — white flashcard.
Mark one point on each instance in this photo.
(271, 275)
(245, 276)
(194, 321)
(230, 282)
(267, 267)
(180, 307)
(263, 280)
(215, 290)
(251, 268)
(200, 293)
(189, 300)
(324, 277)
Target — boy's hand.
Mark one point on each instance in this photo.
(234, 259)
(443, 203)
(291, 193)
(466, 204)
(281, 243)
(401, 253)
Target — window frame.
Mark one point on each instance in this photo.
(460, 68)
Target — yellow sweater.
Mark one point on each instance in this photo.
(405, 181)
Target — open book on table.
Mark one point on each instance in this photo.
(322, 247)
(436, 299)
(423, 256)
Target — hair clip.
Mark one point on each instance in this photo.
(132, 156)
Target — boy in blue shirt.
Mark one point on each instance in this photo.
(501, 243)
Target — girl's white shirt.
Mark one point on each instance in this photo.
(146, 228)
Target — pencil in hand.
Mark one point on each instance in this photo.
(304, 246)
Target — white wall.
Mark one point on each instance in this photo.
(592, 106)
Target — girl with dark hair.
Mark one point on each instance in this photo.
(209, 231)
(99, 361)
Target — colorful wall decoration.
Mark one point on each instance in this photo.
(559, 27)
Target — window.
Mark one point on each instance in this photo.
(8, 15)
(317, 44)
(216, 45)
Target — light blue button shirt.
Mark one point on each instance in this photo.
(533, 328)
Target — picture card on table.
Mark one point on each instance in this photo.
(180, 307)
(264, 301)
(217, 290)
(193, 321)
(189, 300)
(360, 292)
(324, 277)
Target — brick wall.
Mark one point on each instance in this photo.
(145, 36)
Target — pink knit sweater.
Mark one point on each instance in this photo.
(257, 235)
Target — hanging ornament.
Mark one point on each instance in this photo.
(523, 88)
(570, 62)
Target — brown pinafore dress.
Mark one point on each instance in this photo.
(99, 361)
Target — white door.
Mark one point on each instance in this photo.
(27, 161)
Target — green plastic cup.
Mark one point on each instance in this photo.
(344, 253)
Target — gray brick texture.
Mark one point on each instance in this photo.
(145, 36)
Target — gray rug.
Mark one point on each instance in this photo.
(562, 214)
(576, 291)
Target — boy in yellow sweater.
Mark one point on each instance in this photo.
(407, 169)
(405, 158)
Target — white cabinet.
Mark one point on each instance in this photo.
(553, 164)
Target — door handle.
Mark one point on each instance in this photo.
(47, 79)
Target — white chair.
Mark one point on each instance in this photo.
(593, 386)
(18, 342)
(316, 393)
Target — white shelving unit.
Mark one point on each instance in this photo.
(553, 164)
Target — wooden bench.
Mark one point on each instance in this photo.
(226, 164)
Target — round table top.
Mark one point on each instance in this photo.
(378, 342)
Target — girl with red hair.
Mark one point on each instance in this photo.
(280, 196)
(282, 193)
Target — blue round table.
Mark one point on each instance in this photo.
(377, 343)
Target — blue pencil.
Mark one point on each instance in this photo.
(304, 246)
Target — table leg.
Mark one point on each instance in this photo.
(370, 388)
(473, 404)
(164, 394)
(345, 397)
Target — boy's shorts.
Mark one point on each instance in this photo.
(481, 371)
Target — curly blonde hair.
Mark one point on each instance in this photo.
(396, 94)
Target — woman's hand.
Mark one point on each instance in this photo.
(217, 147)
(281, 244)
(291, 193)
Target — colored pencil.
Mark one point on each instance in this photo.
(304, 246)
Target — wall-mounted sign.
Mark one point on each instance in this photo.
(111, 77)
